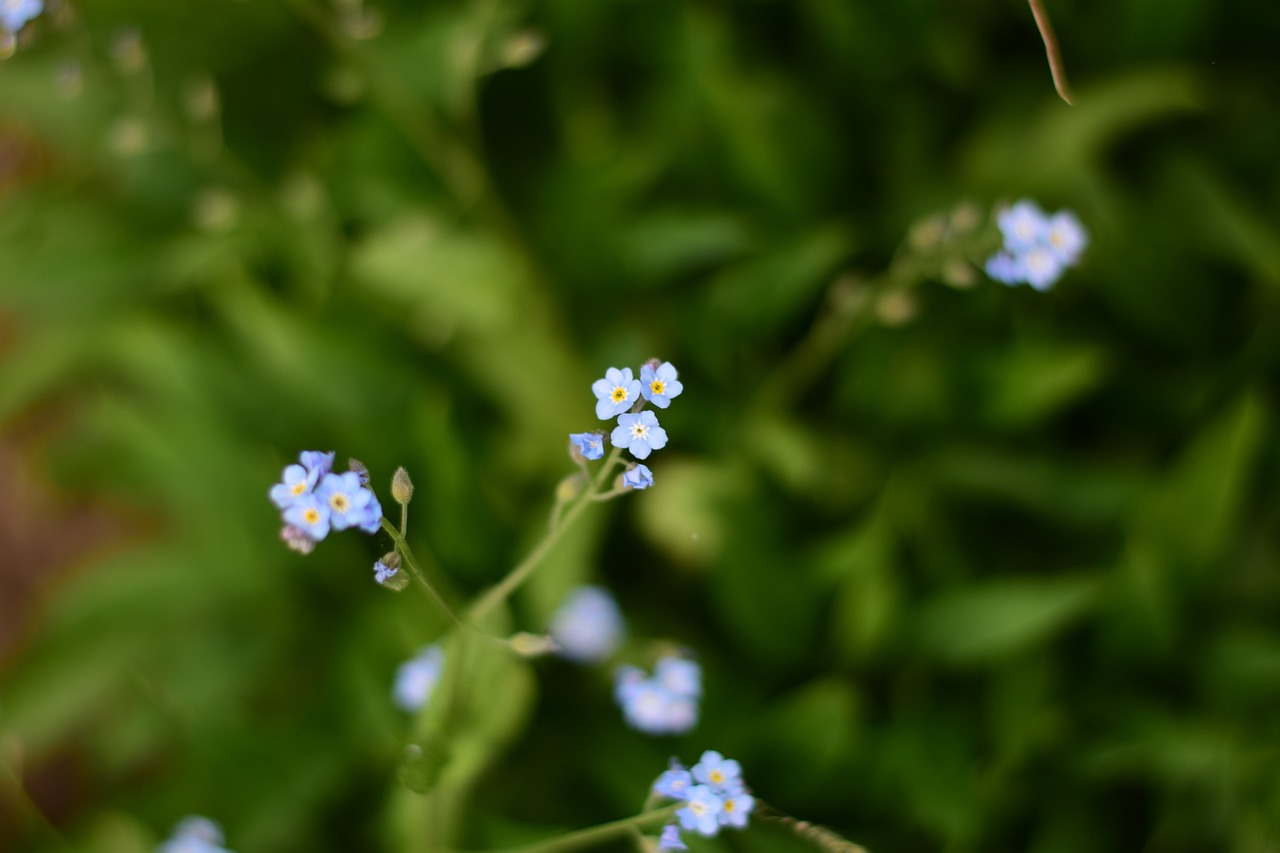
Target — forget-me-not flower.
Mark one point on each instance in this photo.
(382, 572)
(719, 773)
(589, 444)
(14, 14)
(310, 515)
(659, 706)
(675, 782)
(639, 433)
(735, 806)
(1065, 236)
(417, 677)
(681, 676)
(721, 800)
(701, 812)
(350, 504)
(637, 477)
(194, 834)
(659, 384)
(588, 627)
(616, 393)
(670, 838)
(1037, 248)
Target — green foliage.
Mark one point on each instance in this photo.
(969, 567)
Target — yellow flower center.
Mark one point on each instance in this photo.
(657, 386)
(339, 502)
(728, 805)
(716, 777)
(299, 487)
(697, 808)
(619, 394)
(640, 431)
(311, 516)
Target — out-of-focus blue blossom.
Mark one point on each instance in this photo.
(639, 433)
(659, 384)
(681, 676)
(317, 463)
(616, 393)
(651, 705)
(589, 444)
(670, 838)
(194, 834)
(701, 812)
(295, 483)
(720, 773)
(350, 504)
(675, 782)
(309, 515)
(637, 477)
(417, 677)
(382, 572)
(14, 14)
(1037, 248)
(588, 626)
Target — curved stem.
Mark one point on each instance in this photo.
(1056, 68)
(593, 835)
(407, 558)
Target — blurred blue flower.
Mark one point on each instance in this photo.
(637, 477)
(1066, 237)
(350, 504)
(295, 482)
(588, 626)
(1037, 248)
(193, 834)
(670, 838)
(589, 444)
(1022, 226)
(615, 393)
(1040, 267)
(14, 14)
(317, 462)
(736, 805)
(659, 384)
(701, 812)
(417, 677)
(310, 516)
(656, 706)
(681, 676)
(1003, 268)
(640, 433)
(721, 774)
(675, 782)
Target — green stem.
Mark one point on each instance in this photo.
(593, 835)
(406, 554)
(517, 576)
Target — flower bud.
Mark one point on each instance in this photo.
(569, 487)
(532, 645)
(401, 486)
(356, 466)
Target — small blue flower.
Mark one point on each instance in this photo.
(701, 812)
(637, 477)
(350, 504)
(681, 676)
(616, 393)
(417, 677)
(639, 433)
(659, 384)
(720, 774)
(1066, 237)
(650, 705)
(14, 14)
(193, 834)
(1003, 268)
(674, 783)
(589, 444)
(1023, 226)
(382, 572)
(1040, 267)
(317, 462)
(588, 627)
(309, 515)
(295, 483)
(670, 838)
(1037, 248)
(736, 805)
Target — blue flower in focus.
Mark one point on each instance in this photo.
(294, 483)
(714, 770)
(670, 838)
(350, 504)
(659, 384)
(655, 705)
(588, 626)
(701, 812)
(674, 783)
(417, 678)
(1037, 248)
(637, 477)
(736, 805)
(616, 393)
(589, 444)
(316, 462)
(193, 835)
(14, 14)
(382, 572)
(639, 433)
(309, 515)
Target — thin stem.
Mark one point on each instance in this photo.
(819, 836)
(406, 554)
(593, 835)
(1056, 68)
(500, 592)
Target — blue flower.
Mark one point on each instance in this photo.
(736, 805)
(1037, 248)
(681, 676)
(1003, 268)
(701, 812)
(382, 572)
(1066, 237)
(294, 484)
(670, 838)
(720, 774)
(309, 515)
(14, 14)
(350, 504)
(637, 477)
(1040, 267)
(417, 677)
(589, 444)
(1023, 226)
(588, 626)
(615, 393)
(639, 433)
(193, 834)
(317, 462)
(674, 783)
(659, 384)
(665, 704)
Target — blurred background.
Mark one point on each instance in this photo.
(969, 567)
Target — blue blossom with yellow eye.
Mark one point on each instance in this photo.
(310, 515)
(658, 384)
(715, 770)
(721, 799)
(589, 444)
(350, 504)
(637, 477)
(1037, 248)
(14, 14)
(639, 432)
(615, 393)
(701, 812)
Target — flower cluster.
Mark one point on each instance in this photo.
(14, 14)
(713, 796)
(193, 834)
(620, 395)
(313, 500)
(417, 677)
(588, 627)
(1038, 248)
(667, 702)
